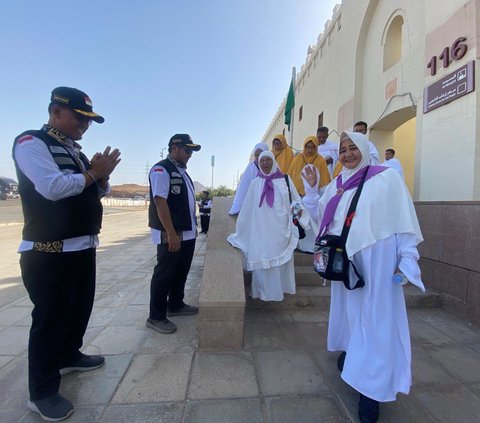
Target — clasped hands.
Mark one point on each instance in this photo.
(103, 164)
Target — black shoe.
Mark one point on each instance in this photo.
(185, 310)
(161, 326)
(341, 360)
(53, 408)
(84, 364)
(368, 410)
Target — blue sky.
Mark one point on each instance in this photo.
(216, 69)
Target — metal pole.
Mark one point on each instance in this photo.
(213, 165)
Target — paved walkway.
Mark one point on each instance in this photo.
(283, 374)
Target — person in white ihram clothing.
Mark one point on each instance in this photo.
(248, 176)
(369, 325)
(265, 233)
(393, 162)
(327, 149)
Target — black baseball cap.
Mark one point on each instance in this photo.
(185, 140)
(76, 100)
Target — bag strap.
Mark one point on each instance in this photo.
(352, 208)
(288, 186)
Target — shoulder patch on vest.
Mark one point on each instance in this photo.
(25, 139)
(159, 169)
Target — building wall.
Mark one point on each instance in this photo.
(345, 78)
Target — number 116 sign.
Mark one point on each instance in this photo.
(449, 54)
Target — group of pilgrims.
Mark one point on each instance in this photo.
(368, 326)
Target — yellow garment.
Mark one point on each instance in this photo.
(338, 168)
(300, 161)
(284, 155)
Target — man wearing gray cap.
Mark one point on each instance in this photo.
(173, 224)
(60, 190)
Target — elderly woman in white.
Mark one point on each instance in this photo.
(369, 324)
(248, 176)
(265, 232)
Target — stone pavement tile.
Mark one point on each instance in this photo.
(12, 315)
(141, 298)
(14, 384)
(101, 316)
(427, 370)
(155, 377)
(97, 386)
(474, 347)
(327, 362)
(424, 334)
(404, 409)
(117, 340)
(268, 336)
(185, 339)
(458, 330)
(288, 372)
(458, 360)
(80, 415)
(305, 409)
(430, 314)
(24, 301)
(258, 315)
(222, 375)
(449, 403)
(315, 334)
(241, 410)
(309, 316)
(14, 340)
(131, 315)
(12, 415)
(26, 321)
(155, 413)
(113, 299)
(4, 359)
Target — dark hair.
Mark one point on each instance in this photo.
(322, 129)
(391, 150)
(361, 123)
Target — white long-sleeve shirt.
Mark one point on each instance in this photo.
(36, 162)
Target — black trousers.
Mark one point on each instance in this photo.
(167, 287)
(62, 288)
(204, 222)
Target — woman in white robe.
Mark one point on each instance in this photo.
(370, 323)
(249, 174)
(265, 232)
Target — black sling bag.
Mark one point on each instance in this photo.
(301, 231)
(330, 259)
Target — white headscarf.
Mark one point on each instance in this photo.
(260, 146)
(361, 141)
(274, 166)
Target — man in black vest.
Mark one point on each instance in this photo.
(172, 220)
(60, 191)
(205, 209)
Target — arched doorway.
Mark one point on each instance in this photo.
(398, 131)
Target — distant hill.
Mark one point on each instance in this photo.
(131, 190)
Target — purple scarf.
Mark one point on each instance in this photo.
(268, 192)
(353, 182)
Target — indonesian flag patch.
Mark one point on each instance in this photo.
(159, 169)
(24, 139)
(88, 102)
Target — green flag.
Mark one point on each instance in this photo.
(289, 105)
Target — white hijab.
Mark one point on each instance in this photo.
(260, 146)
(271, 155)
(361, 141)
